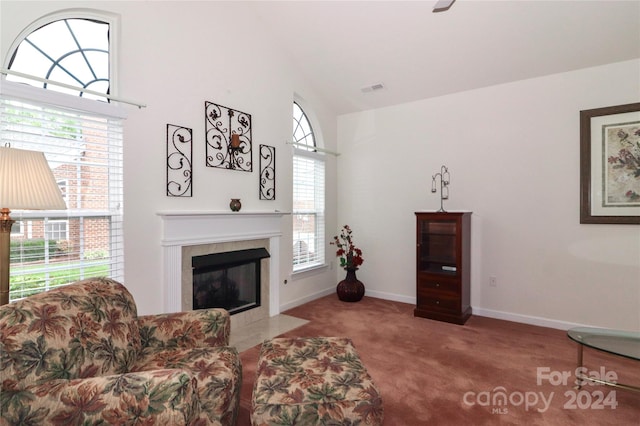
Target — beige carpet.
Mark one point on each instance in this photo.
(431, 372)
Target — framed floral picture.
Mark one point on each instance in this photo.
(610, 165)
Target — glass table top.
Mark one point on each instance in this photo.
(617, 342)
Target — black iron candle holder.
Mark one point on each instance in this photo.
(444, 185)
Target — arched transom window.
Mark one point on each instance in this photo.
(302, 131)
(71, 51)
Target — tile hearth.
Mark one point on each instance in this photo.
(250, 335)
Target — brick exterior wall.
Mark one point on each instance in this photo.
(84, 188)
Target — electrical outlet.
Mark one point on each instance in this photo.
(493, 281)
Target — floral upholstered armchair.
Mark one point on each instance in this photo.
(80, 355)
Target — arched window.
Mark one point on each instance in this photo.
(81, 137)
(308, 195)
(71, 51)
(302, 131)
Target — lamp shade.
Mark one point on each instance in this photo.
(27, 182)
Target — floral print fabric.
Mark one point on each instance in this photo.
(80, 355)
(313, 381)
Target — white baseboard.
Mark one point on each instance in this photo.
(328, 291)
(507, 316)
(390, 296)
(306, 299)
(527, 319)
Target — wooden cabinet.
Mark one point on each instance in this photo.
(443, 260)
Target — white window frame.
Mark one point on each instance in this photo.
(63, 184)
(112, 113)
(315, 243)
(18, 228)
(111, 19)
(49, 226)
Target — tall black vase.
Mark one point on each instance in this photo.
(350, 289)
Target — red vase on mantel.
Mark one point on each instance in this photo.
(350, 289)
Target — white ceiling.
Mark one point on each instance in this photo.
(344, 46)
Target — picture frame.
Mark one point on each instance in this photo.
(610, 165)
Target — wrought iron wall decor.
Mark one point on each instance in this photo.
(228, 136)
(267, 172)
(179, 161)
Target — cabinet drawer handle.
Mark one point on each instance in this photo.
(437, 284)
(437, 302)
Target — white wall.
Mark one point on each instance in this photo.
(174, 56)
(512, 151)
(513, 154)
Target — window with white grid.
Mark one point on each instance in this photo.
(308, 196)
(82, 141)
(81, 137)
(56, 230)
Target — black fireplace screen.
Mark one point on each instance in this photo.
(229, 280)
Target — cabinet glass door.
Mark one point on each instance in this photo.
(437, 250)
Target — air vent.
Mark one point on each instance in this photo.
(373, 88)
(442, 5)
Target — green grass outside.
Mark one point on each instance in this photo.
(35, 280)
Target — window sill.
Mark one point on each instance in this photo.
(308, 272)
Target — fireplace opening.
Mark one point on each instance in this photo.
(229, 280)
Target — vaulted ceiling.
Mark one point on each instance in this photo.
(343, 47)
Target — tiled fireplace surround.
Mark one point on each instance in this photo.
(187, 234)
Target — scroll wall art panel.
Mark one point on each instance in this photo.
(228, 137)
(267, 172)
(179, 161)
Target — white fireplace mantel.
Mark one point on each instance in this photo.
(185, 228)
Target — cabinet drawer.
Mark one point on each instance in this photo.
(438, 301)
(440, 284)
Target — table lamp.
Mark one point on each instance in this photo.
(26, 183)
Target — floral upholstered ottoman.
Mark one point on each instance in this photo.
(313, 381)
